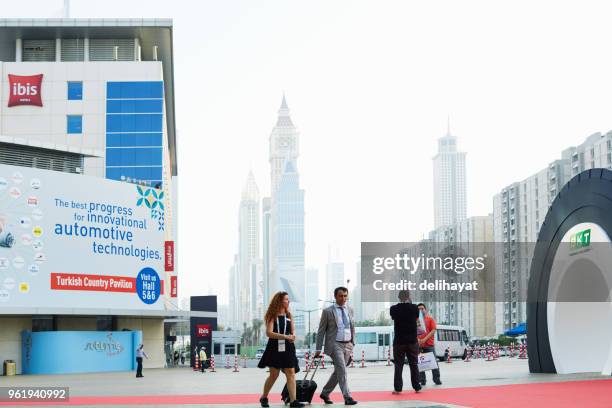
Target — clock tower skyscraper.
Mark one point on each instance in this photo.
(283, 215)
(284, 145)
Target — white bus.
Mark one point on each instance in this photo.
(374, 341)
(377, 341)
(452, 337)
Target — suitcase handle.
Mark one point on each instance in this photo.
(317, 362)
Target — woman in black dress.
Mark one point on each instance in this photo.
(280, 350)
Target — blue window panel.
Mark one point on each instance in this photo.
(148, 173)
(133, 139)
(120, 157)
(134, 157)
(143, 173)
(134, 106)
(113, 173)
(74, 124)
(75, 91)
(120, 173)
(134, 123)
(130, 90)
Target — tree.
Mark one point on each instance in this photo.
(383, 320)
(257, 325)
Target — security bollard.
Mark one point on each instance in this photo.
(196, 365)
(236, 363)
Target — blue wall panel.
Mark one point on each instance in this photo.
(145, 122)
(134, 90)
(62, 352)
(134, 106)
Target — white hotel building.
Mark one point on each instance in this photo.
(107, 97)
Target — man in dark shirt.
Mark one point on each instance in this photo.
(405, 344)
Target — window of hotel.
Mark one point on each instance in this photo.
(74, 124)
(75, 91)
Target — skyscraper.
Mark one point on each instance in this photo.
(449, 183)
(334, 271)
(288, 237)
(461, 309)
(266, 243)
(312, 297)
(248, 250)
(285, 270)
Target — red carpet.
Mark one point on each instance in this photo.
(592, 394)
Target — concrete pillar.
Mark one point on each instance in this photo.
(137, 56)
(58, 49)
(18, 50)
(86, 49)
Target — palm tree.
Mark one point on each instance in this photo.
(257, 324)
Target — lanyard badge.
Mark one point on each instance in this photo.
(281, 342)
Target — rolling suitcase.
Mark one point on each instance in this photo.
(304, 389)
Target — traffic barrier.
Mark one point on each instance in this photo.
(468, 355)
(244, 361)
(388, 356)
(352, 360)
(227, 362)
(362, 359)
(322, 361)
(236, 363)
(307, 357)
(488, 352)
(448, 355)
(212, 364)
(523, 352)
(196, 365)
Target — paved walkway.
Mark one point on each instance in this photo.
(373, 383)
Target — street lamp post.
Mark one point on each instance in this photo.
(308, 311)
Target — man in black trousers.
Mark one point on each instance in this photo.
(405, 344)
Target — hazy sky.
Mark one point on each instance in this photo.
(370, 85)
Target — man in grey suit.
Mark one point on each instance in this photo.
(337, 332)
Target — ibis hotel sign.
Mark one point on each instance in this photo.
(25, 90)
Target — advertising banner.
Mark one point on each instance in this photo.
(169, 256)
(78, 241)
